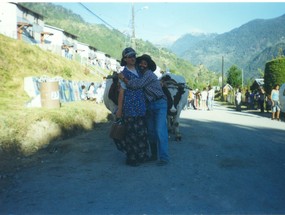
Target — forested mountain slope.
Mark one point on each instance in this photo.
(240, 46)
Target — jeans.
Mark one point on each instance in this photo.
(275, 106)
(261, 105)
(157, 127)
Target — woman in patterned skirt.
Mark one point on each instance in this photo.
(132, 109)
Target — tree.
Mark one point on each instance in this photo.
(234, 76)
(274, 73)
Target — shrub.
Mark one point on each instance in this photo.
(274, 74)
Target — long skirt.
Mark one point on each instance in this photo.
(135, 144)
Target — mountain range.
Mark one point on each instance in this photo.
(248, 47)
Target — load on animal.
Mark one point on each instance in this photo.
(111, 93)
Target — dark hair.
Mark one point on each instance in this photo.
(126, 53)
(150, 63)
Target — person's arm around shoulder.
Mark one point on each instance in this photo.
(122, 78)
(139, 83)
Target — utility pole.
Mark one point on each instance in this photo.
(242, 78)
(133, 39)
(222, 78)
(133, 27)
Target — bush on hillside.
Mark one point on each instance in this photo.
(274, 74)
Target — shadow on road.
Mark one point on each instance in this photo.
(219, 167)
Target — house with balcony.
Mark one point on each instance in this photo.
(19, 22)
(30, 25)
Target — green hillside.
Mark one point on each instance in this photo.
(25, 130)
(112, 42)
(19, 60)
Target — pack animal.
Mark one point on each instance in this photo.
(111, 93)
(176, 91)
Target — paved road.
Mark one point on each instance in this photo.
(228, 162)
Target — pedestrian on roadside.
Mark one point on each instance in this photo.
(156, 103)
(132, 109)
(261, 99)
(198, 99)
(247, 99)
(268, 103)
(191, 100)
(251, 100)
(275, 102)
(204, 95)
(238, 99)
(211, 96)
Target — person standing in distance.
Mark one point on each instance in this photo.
(275, 102)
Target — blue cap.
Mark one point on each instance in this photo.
(128, 52)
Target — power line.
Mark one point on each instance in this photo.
(97, 16)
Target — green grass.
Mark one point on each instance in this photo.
(25, 130)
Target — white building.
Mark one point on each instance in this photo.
(100, 58)
(54, 35)
(8, 19)
(114, 64)
(82, 50)
(19, 22)
(30, 25)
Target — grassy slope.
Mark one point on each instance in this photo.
(26, 130)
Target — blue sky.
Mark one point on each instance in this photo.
(168, 21)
